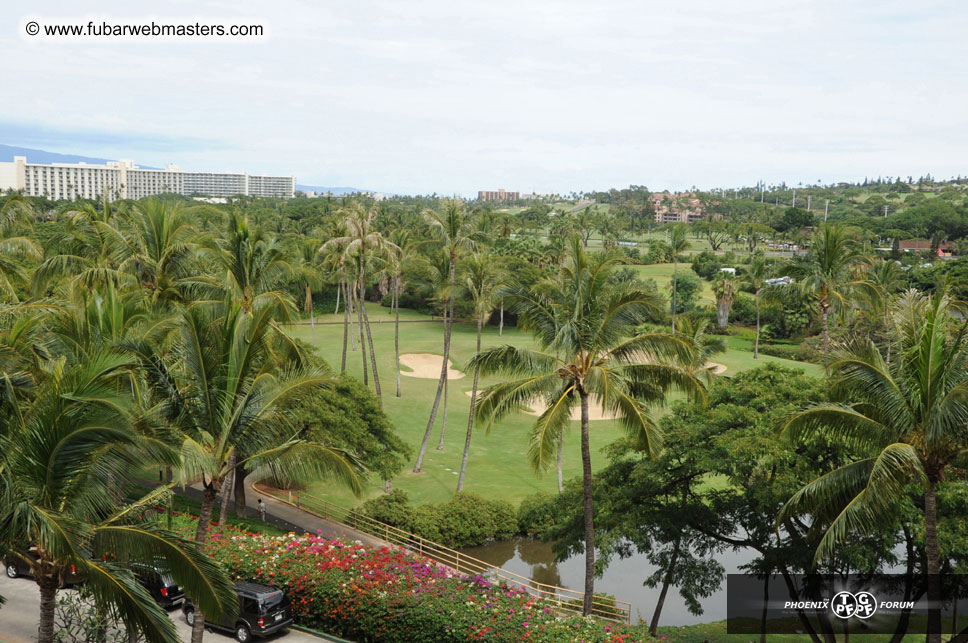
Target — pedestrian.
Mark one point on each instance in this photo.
(262, 510)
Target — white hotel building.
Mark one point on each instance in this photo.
(125, 180)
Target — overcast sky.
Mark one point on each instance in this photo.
(453, 97)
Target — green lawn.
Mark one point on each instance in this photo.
(662, 274)
(498, 466)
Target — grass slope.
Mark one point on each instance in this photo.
(498, 466)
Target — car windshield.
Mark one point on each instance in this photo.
(270, 602)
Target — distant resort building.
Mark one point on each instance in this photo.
(943, 249)
(125, 180)
(498, 195)
(676, 208)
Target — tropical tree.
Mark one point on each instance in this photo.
(825, 274)
(589, 350)
(362, 236)
(334, 256)
(756, 274)
(908, 414)
(226, 386)
(17, 248)
(704, 345)
(452, 228)
(678, 243)
(399, 255)
(481, 282)
(724, 288)
(60, 450)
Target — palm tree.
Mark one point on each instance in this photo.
(725, 289)
(678, 243)
(756, 275)
(16, 247)
(481, 282)
(59, 450)
(589, 350)
(362, 236)
(254, 263)
(453, 230)
(161, 247)
(399, 256)
(909, 415)
(231, 375)
(825, 273)
(704, 345)
(334, 256)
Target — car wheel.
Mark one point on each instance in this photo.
(242, 634)
(190, 617)
(12, 570)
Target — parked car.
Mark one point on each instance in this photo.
(16, 566)
(263, 610)
(157, 579)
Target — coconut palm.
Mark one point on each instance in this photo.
(17, 249)
(334, 257)
(362, 237)
(161, 251)
(756, 274)
(724, 288)
(704, 345)
(678, 243)
(481, 282)
(909, 415)
(589, 350)
(225, 387)
(398, 257)
(825, 274)
(452, 228)
(59, 453)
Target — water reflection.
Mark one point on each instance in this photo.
(623, 578)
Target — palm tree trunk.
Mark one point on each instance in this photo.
(500, 327)
(756, 344)
(561, 447)
(346, 328)
(675, 269)
(339, 291)
(826, 336)
(440, 389)
(470, 416)
(348, 302)
(201, 537)
(586, 470)
(396, 337)
(48, 605)
(227, 490)
(238, 479)
(369, 340)
(666, 582)
(312, 316)
(359, 325)
(933, 560)
(443, 418)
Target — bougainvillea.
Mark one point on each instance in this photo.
(367, 593)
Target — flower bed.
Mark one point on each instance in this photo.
(382, 594)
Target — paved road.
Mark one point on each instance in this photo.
(18, 617)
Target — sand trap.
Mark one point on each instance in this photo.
(714, 367)
(595, 410)
(427, 366)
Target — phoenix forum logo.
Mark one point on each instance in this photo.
(846, 605)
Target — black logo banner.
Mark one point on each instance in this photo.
(852, 603)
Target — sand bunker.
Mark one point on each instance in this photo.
(427, 365)
(714, 367)
(595, 410)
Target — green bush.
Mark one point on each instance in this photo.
(465, 520)
(536, 515)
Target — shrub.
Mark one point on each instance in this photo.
(392, 508)
(537, 514)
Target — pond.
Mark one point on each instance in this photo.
(623, 578)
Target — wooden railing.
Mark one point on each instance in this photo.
(569, 600)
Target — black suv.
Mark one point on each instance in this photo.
(263, 610)
(16, 566)
(158, 581)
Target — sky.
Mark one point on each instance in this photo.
(452, 97)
